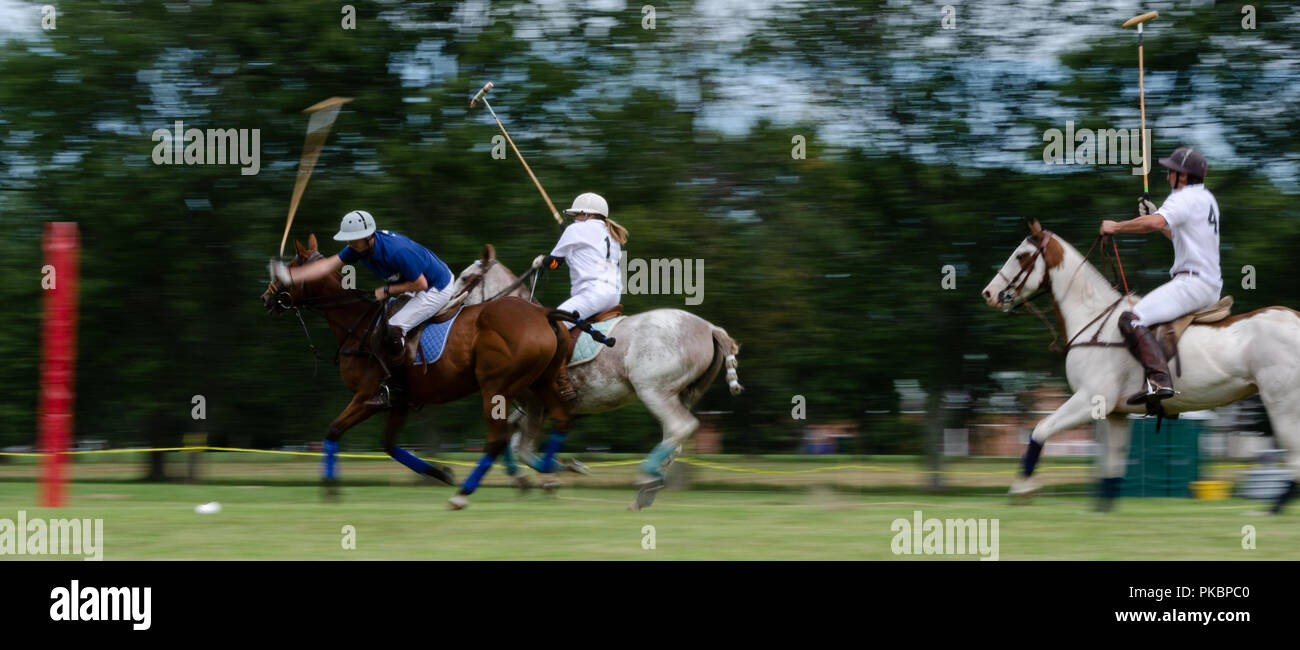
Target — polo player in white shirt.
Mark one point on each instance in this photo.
(1190, 218)
(591, 247)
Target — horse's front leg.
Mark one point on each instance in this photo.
(396, 418)
(498, 438)
(355, 413)
(1076, 411)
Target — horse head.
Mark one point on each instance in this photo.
(279, 298)
(485, 278)
(1025, 271)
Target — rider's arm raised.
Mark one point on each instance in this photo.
(1138, 226)
(316, 270)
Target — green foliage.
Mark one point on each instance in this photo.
(825, 269)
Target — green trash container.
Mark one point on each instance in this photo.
(1163, 464)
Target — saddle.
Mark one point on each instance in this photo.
(413, 336)
(575, 332)
(1169, 333)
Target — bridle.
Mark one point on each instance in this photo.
(1009, 294)
(285, 300)
(1012, 291)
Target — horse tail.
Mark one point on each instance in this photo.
(724, 353)
(724, 343)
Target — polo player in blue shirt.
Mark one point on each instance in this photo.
(405, 266)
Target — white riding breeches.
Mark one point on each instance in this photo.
(421, 306)
(589, 303)
(1178, 297)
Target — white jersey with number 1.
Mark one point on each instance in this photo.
(592, 255)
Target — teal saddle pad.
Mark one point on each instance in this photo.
(586, 347)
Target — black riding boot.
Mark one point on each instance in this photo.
(393, 388)
(1144, 346)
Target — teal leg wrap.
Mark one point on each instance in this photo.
(508, 460)
(654, 463)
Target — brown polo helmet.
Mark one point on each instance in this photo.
(1186, 160)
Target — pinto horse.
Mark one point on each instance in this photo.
(666, 358)
(499, 349)
(1221, 362)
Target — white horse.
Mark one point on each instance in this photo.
(667, 358)
(1221, 362)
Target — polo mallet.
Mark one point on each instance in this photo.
(1142, 102)
(482, 96)
(318, 128)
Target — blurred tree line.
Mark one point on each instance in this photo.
(827, 268)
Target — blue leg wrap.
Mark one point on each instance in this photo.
(655, 461)
(471, 483)
(330, 463)
(548, 463)
(1031, 456)
(508, 459)
(407, 458)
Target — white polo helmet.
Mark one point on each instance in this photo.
(357, 224)
(590, 203)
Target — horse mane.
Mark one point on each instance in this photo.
(1095, 285)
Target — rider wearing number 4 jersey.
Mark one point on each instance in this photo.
(1189, 217)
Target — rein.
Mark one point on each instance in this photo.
(1046, 287)
(354, 296)
(322, 304)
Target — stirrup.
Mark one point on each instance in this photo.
(568, 393)
(383, 397)
(1152, 396)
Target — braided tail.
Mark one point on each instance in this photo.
(724, 354)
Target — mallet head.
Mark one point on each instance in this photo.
(479, 95)
(1138, 20)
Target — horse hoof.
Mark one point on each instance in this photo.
(1104, 505)
(522, 484)
(330, 492)
(458, 502)
(444, 475)
(645, 497)
(1023, 490)
(577, 467)
(550, 487)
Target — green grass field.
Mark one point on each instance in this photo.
(271, 511)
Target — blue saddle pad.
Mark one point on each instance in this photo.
(586, 348)
(433, 339)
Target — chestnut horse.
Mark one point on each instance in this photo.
(499, 349)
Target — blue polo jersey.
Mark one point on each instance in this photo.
(397, 259)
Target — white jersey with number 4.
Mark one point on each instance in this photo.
(592, 255)
(1193, 217)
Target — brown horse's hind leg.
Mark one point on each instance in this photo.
(396, 418)
(559, 408)
(354, 414)
(502, 374)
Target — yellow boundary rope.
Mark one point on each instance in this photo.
(612, 463)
